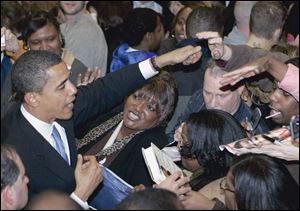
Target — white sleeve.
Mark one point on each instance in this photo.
(146, 69)
(83, 204)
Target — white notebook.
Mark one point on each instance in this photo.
(159, 164)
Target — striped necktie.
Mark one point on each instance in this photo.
(59, 145)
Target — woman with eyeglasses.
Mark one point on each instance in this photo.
(254, 182)
(199, 139)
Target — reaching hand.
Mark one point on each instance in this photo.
(255, 67)
(215, 43)
(186, 55)
(88, 176)
(175, 183)
(89, 76)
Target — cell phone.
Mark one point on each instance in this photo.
(3, 40)
(294, 127)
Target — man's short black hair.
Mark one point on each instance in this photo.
(29, 73)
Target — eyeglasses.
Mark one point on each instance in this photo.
(223, 185)
(185, 147)
(186, 151)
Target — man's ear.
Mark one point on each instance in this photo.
(240, 89)
(31, 98)
(8, 197)
(148, 37)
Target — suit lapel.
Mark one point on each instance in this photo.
(43, 152)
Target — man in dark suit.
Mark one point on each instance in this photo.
(41, 127)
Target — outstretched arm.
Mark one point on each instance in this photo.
(287, 75)
(276, 68)
(186, 55)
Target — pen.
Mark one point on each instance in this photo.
(270, 139)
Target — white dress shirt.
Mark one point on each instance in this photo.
(45, 129)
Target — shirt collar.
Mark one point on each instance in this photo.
(44, 128)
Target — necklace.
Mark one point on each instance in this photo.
(117, 145)
(99, 130)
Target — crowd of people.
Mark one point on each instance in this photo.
(84, 83)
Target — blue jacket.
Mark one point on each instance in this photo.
(122, 58)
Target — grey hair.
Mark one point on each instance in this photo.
(9, 169)
(213, 69)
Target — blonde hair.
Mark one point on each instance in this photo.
(291, 50)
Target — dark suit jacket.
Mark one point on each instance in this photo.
(44, 166)
(130, 164)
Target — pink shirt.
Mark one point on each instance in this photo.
(290, 82)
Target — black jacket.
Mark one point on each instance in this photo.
(44, 166)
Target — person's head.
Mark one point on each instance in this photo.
(143, 27)
(71, 8)
(217, 97)
(151, 105)
(204, 19)
(40, 79)
(267, 19)
(175, 7)
(179, 26)
(151, 199)
(259, 182)
(13, 16)
(42, 33)
(14, 191)
(52, 200)
(283, 102)
(110, 14)
(204, 132)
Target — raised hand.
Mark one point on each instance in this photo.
(186, 55)
(90, 75)
(88, 176)
(215, 43)
(253, 68)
